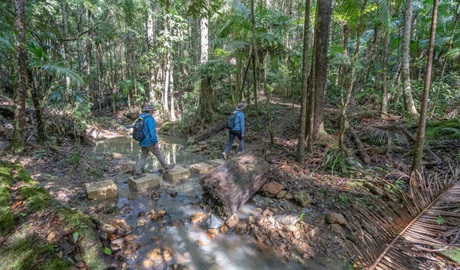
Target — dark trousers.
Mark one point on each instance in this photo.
(231, 137)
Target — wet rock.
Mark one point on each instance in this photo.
(271, 189)
(214, 222)
(101, 190)
(241, 228)
(334, 218)
(216, 162)
(201, 168)
(124, 165)
(148, 181)
(251, 220)
(156, 215)
(232, 221)
(177, 173)
(141, 222)
(197, 217)
(212, 233)
(155, 195)
(224, 229)
(303, 198)
(116, 244)
(121, 229)
(176, 267)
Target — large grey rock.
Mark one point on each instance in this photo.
(303, 198)
(148, 181)
(101, 190)
(201, 168)
(216, 162)
(177, 173)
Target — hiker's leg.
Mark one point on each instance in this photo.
(231, 138)
(241, 140)
(141, 162)
(155, 149)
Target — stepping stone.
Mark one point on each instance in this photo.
(177, 173)
(101, 190)
(201, 168)
(148, 181)
(216, 162)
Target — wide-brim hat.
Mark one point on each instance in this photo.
(149, 107)
(241, 106)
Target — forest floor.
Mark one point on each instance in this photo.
(332, 181)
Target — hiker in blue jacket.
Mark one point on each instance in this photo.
(150, 143)
(237, 131)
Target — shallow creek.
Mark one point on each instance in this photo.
(173, 241)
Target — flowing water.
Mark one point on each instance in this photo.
(173, 240)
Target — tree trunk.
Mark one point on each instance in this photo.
(343, 112)
(255, 61)
(150, 47)
(20, 93)
(386, 52)
(230, 186)
(417, 163)
(304, 93)
(318, 78)
(407, 92)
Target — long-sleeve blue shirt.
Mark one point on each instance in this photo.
(239, 121)
(149, 130)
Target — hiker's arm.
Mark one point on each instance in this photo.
(151, 125)
(241, 115)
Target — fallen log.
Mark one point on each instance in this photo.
(361, 148)
(217, 128)
(231, 185)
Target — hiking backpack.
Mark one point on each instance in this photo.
(138, 129)
(231, 121)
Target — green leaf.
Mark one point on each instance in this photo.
(107, 251)
(75, 236)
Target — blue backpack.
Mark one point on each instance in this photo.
(138, 129)
(231, 120)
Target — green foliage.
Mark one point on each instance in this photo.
(107, 251)
(74, 157)
(6, 220)
(448, 129)
(31, 253)
(335, 160)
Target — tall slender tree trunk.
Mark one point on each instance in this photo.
(444, 64)
(343, 113)
(255, 60)
(172, 114)
(417, 163)
(386, 52)
(207, 95)
(318, 78)
(150, 46)
(304, 95)
(407, 91)
(20, 93)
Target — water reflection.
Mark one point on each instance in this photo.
(173, 150)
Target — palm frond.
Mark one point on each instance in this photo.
(386, 134)
(396, 235)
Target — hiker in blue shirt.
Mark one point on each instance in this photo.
(237, 131)
(150, 143)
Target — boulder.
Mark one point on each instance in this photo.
(101, 190)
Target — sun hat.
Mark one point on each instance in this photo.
(149, 107)
(240, 106)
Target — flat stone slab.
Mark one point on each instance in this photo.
(216, 162)
(201, 168)
(150, 180)
(177, 173)
(101, 190)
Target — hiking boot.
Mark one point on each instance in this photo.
(224, 155)
(170, 167)
(138, 175)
